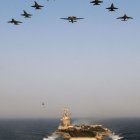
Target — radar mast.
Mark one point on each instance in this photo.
(66, 119)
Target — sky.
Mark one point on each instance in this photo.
(91, 66)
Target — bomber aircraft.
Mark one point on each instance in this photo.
(96, 2)
(124, 18)
(15, 22)
(112, 7)
(72, 19)
(26, 15)
(37, 6)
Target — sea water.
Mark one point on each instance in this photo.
(37, 129)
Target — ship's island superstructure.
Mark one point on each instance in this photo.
(68, 131)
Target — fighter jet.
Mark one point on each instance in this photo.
(26, 15)
(15, 22)
(124, 18)
(96, 2)
(72, 19)
(37, 6)
(112, 7)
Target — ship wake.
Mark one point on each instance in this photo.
(115, 137)
(52, 137)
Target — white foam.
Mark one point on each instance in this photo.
(115, 137)
(52, 137)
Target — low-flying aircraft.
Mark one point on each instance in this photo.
(96, 2)
(43, 103)
(72, 19)
(112, 7)
(15, 22)
(124, 18)
(37, 6)
(26, 15)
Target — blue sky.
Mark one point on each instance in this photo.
(92, 64)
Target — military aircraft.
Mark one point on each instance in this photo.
(96, 2)
(26, 15)
(112, 7)
(43, 103)
(124, 18)
(15, 22)
(72, 19)
(37, 6)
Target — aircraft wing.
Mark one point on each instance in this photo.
(92, 2)
(64, 18)
(129, 17)
(79, 18)
(10, 22)
(120, 18)
(111, 8)
(17, 22)
(40, 6)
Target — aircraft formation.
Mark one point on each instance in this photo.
(71, 19)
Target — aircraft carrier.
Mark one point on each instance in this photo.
(68, 131)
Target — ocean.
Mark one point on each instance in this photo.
(36, 129)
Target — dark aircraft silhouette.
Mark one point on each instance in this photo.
(43, 103)
(37, 6)
(124, 18)
(112, 7)
(96, 2)
(72, 19)
(26, 15)
(15, 22)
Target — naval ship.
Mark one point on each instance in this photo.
(68, 131)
